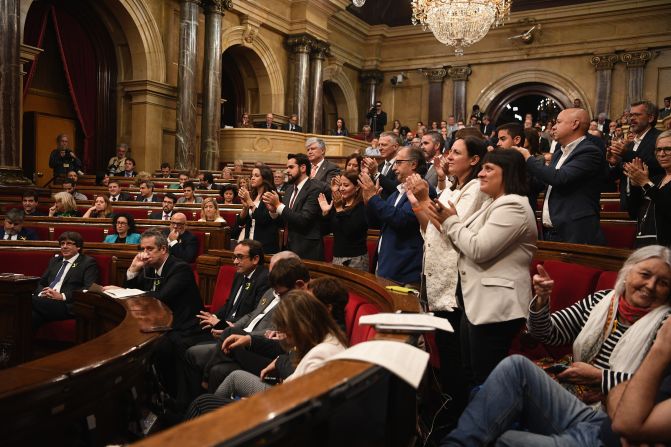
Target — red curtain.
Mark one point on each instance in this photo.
(36, 23)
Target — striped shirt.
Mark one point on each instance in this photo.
(562, 327)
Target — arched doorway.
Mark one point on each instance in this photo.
(541, 100)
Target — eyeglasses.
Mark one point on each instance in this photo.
(666, 150)
(177, 225)
(398, 162)
(123, 224)
(239, 257)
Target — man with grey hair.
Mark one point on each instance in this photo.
(13, 228)
(602, 123)
(321, 169)
(384, 174)
(116, 164)
(292, 125)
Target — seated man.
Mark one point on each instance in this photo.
(116, 164)
(128, 168)
(189, 196)
(147, 192)
(168, 211)
(165, 170)
(71, 187)
(183, 178)
(30, 202)
(69, 272)
(208, 182)
(13, 228)
(519, 393)
(116, 193)
(183, 244)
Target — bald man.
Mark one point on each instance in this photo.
(183, 244)
(574, 178)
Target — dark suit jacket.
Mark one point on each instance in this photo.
(81, 275)
(263, 126)
(326, 172)
(177, 289)
(154, 198)
(125, 197)
(159, 214)
(401, 250)
(186, 248)
(303, 221)
(37, 213)
(249, 296)
(388, 182)
(265, 228)
(266, 322)
(297, 128)
(576, 190)
(26, 234)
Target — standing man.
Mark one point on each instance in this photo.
(116, 194)
(278, 180)
(292, 125)
(321, 169)
(168, 211)
(147, 192)
(299, 210)
(642, 120)
(666, 110)
(377, 118)
(62, 159)
(68, 272)
(574, 178)
(384, 173)
(116, 164)
(432, 146)
(400, 249)
(30, 202)
(13, 228)
(182, 243)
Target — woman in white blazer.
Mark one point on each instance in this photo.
(495, 245)
(458, 175)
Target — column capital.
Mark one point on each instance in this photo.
(434, 74)
(375, 76)
(604, 61)
(459, 72)
(217, 6)
(636, 58)
(320, 49)
(301, 43)
(196, 2)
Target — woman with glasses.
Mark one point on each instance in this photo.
(652, 198)
(255, 217)
(124, 225)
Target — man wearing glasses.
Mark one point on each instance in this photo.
(183, 244)
(68, 272)
(377, 118)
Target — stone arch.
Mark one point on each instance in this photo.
(271, 96)
(566, 86)
(344, 95)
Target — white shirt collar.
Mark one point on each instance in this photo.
(160, 269)
(572, 145)
(639, 138)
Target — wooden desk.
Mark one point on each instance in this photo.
(16, 327)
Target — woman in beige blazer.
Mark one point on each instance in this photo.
(495, 245)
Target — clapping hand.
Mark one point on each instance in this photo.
(370, 164)
(324, 204)
(438, 213)
(368, 188)
(418, 186)
(272, 200)
(244, 196)
(637, 171)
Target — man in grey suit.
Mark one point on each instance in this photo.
(432, 146)
(321, 169)
(287, 272)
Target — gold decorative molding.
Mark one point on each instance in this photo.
(301, 43)
(217, 6)
(636, 58)
(459, 72)
(320, 49)
(604, 61)
(434, 74)
(250, 29)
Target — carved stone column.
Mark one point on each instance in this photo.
(371, 79)
(301, 45)
(603, 65)
(319, 52)
(459, 75)
(635, 61)
(11, 173)
(211, 116)
(435, 77)
(185, 138)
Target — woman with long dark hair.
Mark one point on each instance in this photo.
(258, 225)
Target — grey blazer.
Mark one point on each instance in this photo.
(266, 322)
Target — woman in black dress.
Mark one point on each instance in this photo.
(255, 218)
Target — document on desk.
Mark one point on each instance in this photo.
(406, 322)
(401, 359)
(123, 293)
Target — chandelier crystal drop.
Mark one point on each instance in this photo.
(459, 23)
(359, 3)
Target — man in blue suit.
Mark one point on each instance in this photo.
(401, 245)
(574, 179)
(13, 230)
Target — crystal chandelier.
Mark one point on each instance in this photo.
(459, 23)
(359, 3)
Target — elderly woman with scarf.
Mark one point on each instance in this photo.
(611, 330)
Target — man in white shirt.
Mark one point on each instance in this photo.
(321, 169)
(384, 172)
(116, 194)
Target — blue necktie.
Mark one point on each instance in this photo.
(58, 275)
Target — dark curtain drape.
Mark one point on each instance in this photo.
(36, 24)
(80, 66)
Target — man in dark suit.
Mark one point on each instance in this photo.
(268, 123)
(68, 272)
(171, 281)
(249, 283)
(642, 120)
(292, 125)
(377, 118)
(168, 211)
(432, 146)
(384, 173)
(147, 193)
(183, 244)
(299, 210)
(321, 170)
(116, 194)
(13, 228)
(666, 110)
(401, 244)
(574, 178)
(30, 202)
(278, 181)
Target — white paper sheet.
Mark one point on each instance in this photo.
(123, 293)
(401, 359)
(417, 321)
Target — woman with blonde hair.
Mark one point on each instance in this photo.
(102, 207)
(209, 211)
(64, 205)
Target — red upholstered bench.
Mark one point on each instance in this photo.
(357, 307)
(137, 212)
(222, 287)
(328, 248)
(619, 233)
(89, 233)
(42, 232)
(610, 205)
